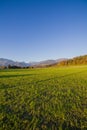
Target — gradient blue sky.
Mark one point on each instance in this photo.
(35, 30)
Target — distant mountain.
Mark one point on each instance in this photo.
(6, 62)
(48, 62)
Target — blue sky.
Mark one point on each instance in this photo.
(35, 30)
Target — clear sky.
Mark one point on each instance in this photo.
(35, 30)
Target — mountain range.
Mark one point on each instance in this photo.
(6, 62)
(79, 60)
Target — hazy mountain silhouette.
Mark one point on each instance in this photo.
(6, 62)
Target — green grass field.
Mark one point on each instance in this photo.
(43, 99)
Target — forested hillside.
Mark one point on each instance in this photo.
(80, 60)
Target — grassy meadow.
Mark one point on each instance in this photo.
(43, 98)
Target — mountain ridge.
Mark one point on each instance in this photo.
(79, 60)
(6, 62)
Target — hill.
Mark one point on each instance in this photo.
(80, 60)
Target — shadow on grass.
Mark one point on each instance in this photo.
(3, 86)
(17, 75)
(5, 109)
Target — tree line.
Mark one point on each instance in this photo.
(80, 60)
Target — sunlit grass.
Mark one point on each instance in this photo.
(44, 99)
